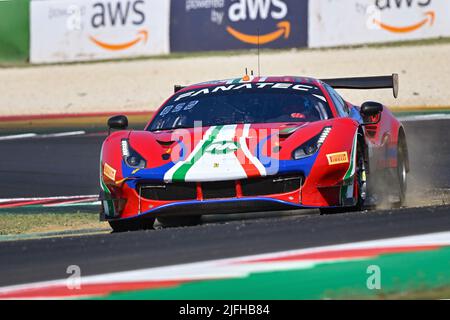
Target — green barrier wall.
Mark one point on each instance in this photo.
(14, 30)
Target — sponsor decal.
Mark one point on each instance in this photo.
(116, 14)
(375, 21)
(79, 30)
(253, 9)
(233, 24)
(258, 85)
(224, 147)
(385, 5)
(337, 158)
(109, 171)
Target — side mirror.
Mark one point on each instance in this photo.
(118, 122)
(370, 112)
(371, 109)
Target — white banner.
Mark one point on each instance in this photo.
(81, 30)
(348, 22)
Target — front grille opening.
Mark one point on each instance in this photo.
(184, 191)
(270, 185)
(219, 190)
(169, 192)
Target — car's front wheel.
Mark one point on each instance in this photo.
(359, 185)
(132, 224)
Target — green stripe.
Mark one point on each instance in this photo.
(348, 174)
(180, 173)
(109, 203)
(105, 189)
(399, 273)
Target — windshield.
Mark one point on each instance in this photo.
(243, 103)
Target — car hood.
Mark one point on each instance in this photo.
(217, 153)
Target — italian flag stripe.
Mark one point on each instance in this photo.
(180, 173)
(241, 138)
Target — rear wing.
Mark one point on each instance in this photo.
(382, 82)
(177, 88)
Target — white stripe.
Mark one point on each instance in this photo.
(218, 167)
(236, 267)
(18, 136)
(424, 117)
(248, 154)
(73, 204)
(62, 134)
(47, 198)
(42, 136)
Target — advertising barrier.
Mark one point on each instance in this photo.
(77, 30)
(14, 30)
(337, 22)
(204, 25)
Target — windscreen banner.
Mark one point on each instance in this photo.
(206, 25)
(349, 22)
(79, 30)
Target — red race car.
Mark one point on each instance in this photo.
(253, 144)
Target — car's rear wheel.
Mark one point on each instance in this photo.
(402, 171)
(179, 221)
(132, 224)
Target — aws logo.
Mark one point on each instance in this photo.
(116, 15)
(428, 19)
(251, 10)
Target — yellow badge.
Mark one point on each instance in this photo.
(337, 158)
(216, 165)
(109, 171)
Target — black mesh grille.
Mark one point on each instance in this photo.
(170, 191)
(218, 190)
(270, 185)
(221, 189)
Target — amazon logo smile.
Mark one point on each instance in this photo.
(252, 10)
(430, 17)
(141, 36)
(284, 29)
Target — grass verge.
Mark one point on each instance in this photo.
(417, 294)
(26, 223)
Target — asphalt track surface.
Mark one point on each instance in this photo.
(69, 166)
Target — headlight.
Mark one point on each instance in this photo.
(311, 146)
(131, 157)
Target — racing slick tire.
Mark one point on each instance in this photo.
(402, 172)
(179, 221)
(132, 225)
(360, 184)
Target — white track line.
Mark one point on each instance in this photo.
(48, 198)
(424, 117)
(18, 136)
(42, 136)
(62, 134)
